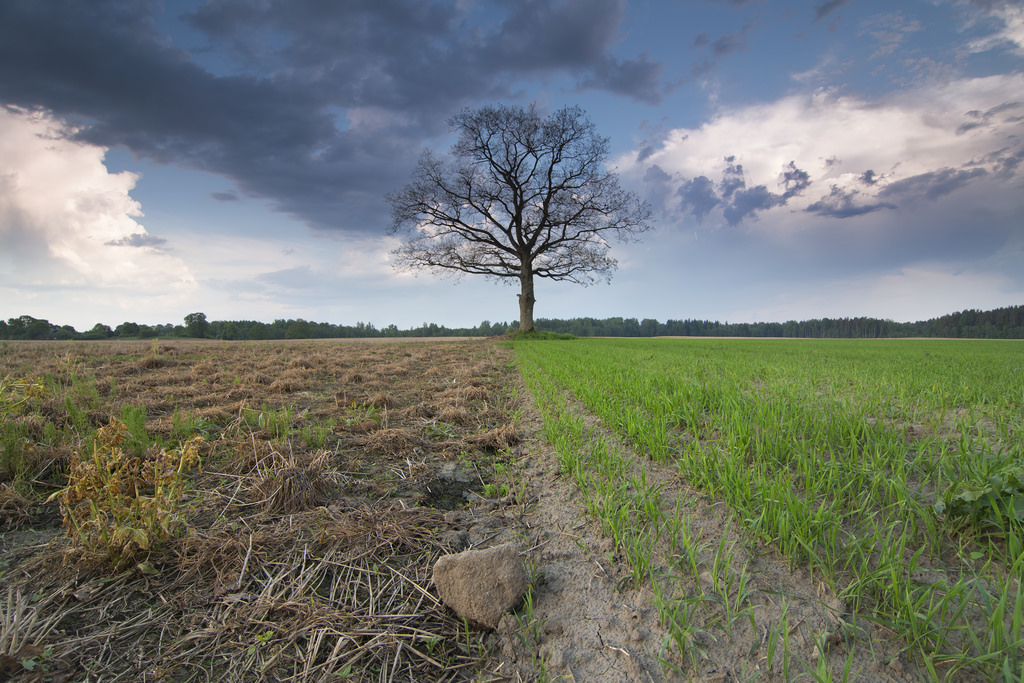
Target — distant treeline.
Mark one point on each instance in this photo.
(27, 327)
(1001, 323)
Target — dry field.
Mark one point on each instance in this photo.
(332, 477)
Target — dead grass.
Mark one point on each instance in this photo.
(14, 508)
(284, 485)
(306, 554)
(393, 442)
(455, 415)
(497, 439)
(466, 394)
(381, 399)
(155, 362)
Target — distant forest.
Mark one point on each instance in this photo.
(1001, 323)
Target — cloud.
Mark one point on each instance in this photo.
(319, 108)
(726, 44)
(980, 119)
(823, 9)
(137, 239)
(933, 184)
(730, 43)
(1009, 34)
(68, 225)
(700, 195)
(889, 31)
(748, 202)
(839, 156)
(794, 180)
(840, 203)
(637, 78)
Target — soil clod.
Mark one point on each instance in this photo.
(481, 585)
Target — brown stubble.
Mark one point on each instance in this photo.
(309, 539)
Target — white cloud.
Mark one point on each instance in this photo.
(1010, 33)
(858, 155)
(69, 228)
(821, 204)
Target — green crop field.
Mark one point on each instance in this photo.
(890, 474)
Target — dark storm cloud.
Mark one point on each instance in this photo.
(931, 185)
(749, 201)
(1006, 165)
(794, 180)
(869, 177)
(840, 203)
(844, 203)
(732, 178)
(982, 119)
(699, 195)
(264, 103)
(224, 196)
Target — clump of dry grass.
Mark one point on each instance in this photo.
(291, 381)
(393, 441)
(454, 415)
(417, 411)
(151, 362)
(287, 487)
(14, 507)
(216, 413)
(496, 439)
(353, 377)
(256, 378)
(203, 370)
(381, 400)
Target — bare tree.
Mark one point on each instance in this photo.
(519, 197)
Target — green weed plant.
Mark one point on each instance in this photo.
(120, 505)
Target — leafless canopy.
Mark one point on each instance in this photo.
(519, 196)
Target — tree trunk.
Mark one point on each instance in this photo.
(526, 299)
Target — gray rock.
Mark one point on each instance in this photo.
(481, 585)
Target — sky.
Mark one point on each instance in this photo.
(804, 159)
